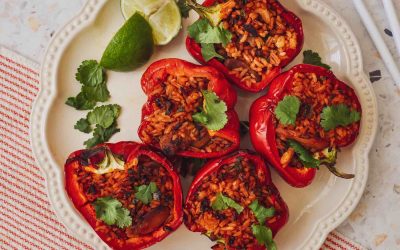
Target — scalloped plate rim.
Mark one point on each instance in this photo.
(48, 92)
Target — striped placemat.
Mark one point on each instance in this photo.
(27, 220)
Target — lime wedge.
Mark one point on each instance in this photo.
(131, 46)
(163, 15)
(145, 7)
(166, 22)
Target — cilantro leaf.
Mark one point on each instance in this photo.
(287, 109)
(214, 111)
(203, 32)
(214, 35)
(97, 93)
(144, 193)
(313, 58)
(110, 211)
(104, 115)
(200, 117)
(223, 202)
(208, 52)
(304, 155)
(80, 102)
(83, 125)
(263, 235)
(183, 8)
(101, 135)
(261, 212)
(90, 73)
(338, 115)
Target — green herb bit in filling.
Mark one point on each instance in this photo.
(223, 202)
(287, 109)
(338, 115)
(110, 211)
(213, 114)
(144, 193)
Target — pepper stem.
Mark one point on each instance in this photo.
(213, 13)
(336, 172)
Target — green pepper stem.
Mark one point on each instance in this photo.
(212, 13)
(336, 172)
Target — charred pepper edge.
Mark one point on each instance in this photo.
(130, 151)
(195, 50)
(262, 130)
(217, 84)
(213, 165)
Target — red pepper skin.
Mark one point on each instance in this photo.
(155, 75)
(195, 50)
(129, 151)
(262, 117)
(213, 166)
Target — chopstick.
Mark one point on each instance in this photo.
(378, 40)
(393, 21)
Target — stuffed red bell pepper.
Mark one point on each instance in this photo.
(233, 201)
(259, 38)
(304, 119)
(189, 111)
(129, 194)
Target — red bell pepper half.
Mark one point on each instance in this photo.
(289, 17)
(168, 95)
(150, 224)
(243, 177)
(263, 124)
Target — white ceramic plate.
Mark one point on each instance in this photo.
(314, 211)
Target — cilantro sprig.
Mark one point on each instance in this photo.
(213, 114)
(208, 35)
(287, 109)
(94, 86)
(144, 193)
(313, 58)
(261, 212)
(223, 202)
(104, 119)
(338, 115)
(101, 120)
(111, 211)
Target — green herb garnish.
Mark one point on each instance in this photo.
(83, 125)
(104, 118)
(94, 88)
(261, 212)
(110, 211)
(207, 35)
(101, 135)
(213, 115)
(90, 73)
(263, 235)
(304, 155)
(313, 58)
(208, 52)
(223, 202)
(144, 193)
(287, 109)
(338, 115)
(104, 115)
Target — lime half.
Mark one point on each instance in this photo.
(163, 15)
